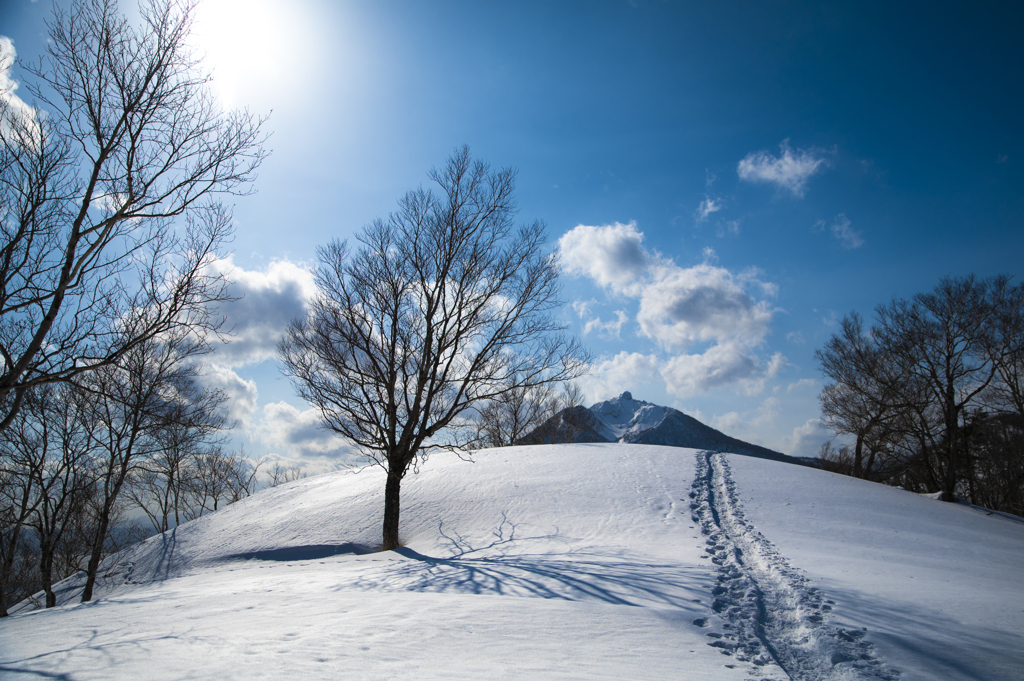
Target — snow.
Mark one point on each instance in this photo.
(569, 561)
(624, 418)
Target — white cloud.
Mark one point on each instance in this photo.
(730, 227)
(848, 237)
(721, 365)
(806, 440)
(582, 307)
(294, 434)
(707, 207)
(241, 394)
(790, 170)
(796, 338)
(612, 255)
(609, 329)
(268, 301)
(801, 384)
(680, 307)
(625, 371)
(10, 104)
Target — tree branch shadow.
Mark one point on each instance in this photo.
(610, 575)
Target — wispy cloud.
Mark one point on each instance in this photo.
(706, 208)
(729, 227)
(789, 171)
(610, 329)
(848, 237)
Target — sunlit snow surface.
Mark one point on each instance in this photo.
(576, 561)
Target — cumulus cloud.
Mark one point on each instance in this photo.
(241, 394)
(297, 434)
(8, 86)
(723, 364)
(610, 377)
(612, 255)
(267, 301)
(789, 171)
(679, 307)
(682, 306)
(806, 440)
(707, 207)
(848, 237)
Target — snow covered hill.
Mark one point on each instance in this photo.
(624, 419)
(570, 561)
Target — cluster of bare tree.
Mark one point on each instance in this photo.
(78, 458)
(109, 220)
(528, 414)
(932, 394)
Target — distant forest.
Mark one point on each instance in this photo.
(930, 397)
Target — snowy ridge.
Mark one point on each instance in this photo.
(629, 421)
(766, 611)
(624, 419)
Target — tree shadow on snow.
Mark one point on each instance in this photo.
(605, 574)
(307, 552)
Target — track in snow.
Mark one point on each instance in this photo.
(764, 612)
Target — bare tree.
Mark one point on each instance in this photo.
(445, 305)
(279, 474)
(19, 498)
(124, 138)
(505, 420)
(221, 478)
(934, 390)
(63, 476)
(942, 341)
(152, 389)
(869, 397)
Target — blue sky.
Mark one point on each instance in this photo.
(724, 179)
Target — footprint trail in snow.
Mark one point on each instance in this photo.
(764, 612)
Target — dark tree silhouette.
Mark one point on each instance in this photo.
(124, 137)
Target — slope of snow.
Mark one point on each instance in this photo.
(573, 561)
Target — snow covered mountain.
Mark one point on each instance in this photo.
(585, 561)
(626, 420)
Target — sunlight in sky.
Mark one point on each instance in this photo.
(251, 46)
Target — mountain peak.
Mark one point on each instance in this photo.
(629, 420)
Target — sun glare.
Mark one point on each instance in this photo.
(251, 46)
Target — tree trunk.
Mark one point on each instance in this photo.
(858, 457)
(391, 509)
(97, 554)
(46, 572)
(953, 458)
(11, 546)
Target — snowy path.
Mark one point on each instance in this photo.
(765, 612)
